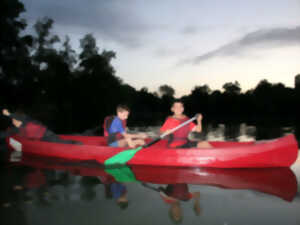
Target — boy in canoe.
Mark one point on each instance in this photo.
(179, 139)
(115, 130)
(31, 129)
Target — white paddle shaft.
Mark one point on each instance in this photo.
(178, 127)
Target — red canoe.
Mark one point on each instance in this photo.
(280, 182)
(281, 152)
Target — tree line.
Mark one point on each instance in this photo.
(44, 76)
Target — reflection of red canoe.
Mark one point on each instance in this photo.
(276, 181)
(281, 152)
(280, 182)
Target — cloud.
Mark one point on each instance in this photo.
(190, 30)
(111, 20)
(264, 38)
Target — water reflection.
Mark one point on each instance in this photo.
(177, 193)
(231, 132)
(50, 187)
(248, 131)
(173, 195)
(115, 189)
(88, 186)
(280, 182)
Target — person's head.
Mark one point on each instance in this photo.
(177, 107)
(123, 112)
(175, 213)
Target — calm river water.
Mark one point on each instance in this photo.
(55, 192)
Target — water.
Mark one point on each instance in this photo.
(56, 192)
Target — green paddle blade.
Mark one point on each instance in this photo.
(122, 174)
(122, 157)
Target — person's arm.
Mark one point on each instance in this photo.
(11, 131)
(198, 127)
(138, 135)
(128, 138)
(117, 127)
(3, 134)
(24, 119)
(142, 135)
(167, 126)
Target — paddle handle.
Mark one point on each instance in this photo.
(171, 131)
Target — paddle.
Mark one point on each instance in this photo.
(152, 188)
(124, 156)
(121, 174)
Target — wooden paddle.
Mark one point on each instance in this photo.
(124, 156)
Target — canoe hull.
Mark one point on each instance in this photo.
(281, 152)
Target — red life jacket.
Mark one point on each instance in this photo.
(180, 136)
(32, 130)
(106, 125)
(111, 137)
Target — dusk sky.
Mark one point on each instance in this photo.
(185, 43)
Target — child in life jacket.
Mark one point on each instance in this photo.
(115, 130)
(179, 139)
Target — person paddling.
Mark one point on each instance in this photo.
(115, 130)
(31, 129)
(179, 139)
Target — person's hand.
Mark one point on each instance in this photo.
(130, 143)
(167, 132)
(5, 112)
(199, 118)
(143, 135)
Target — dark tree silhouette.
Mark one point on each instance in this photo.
(232, 88)
(166, 90)
(167, 97)
(43, 43)
(88, 46)
(72, 92)
(14, 55)
(68, 54)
